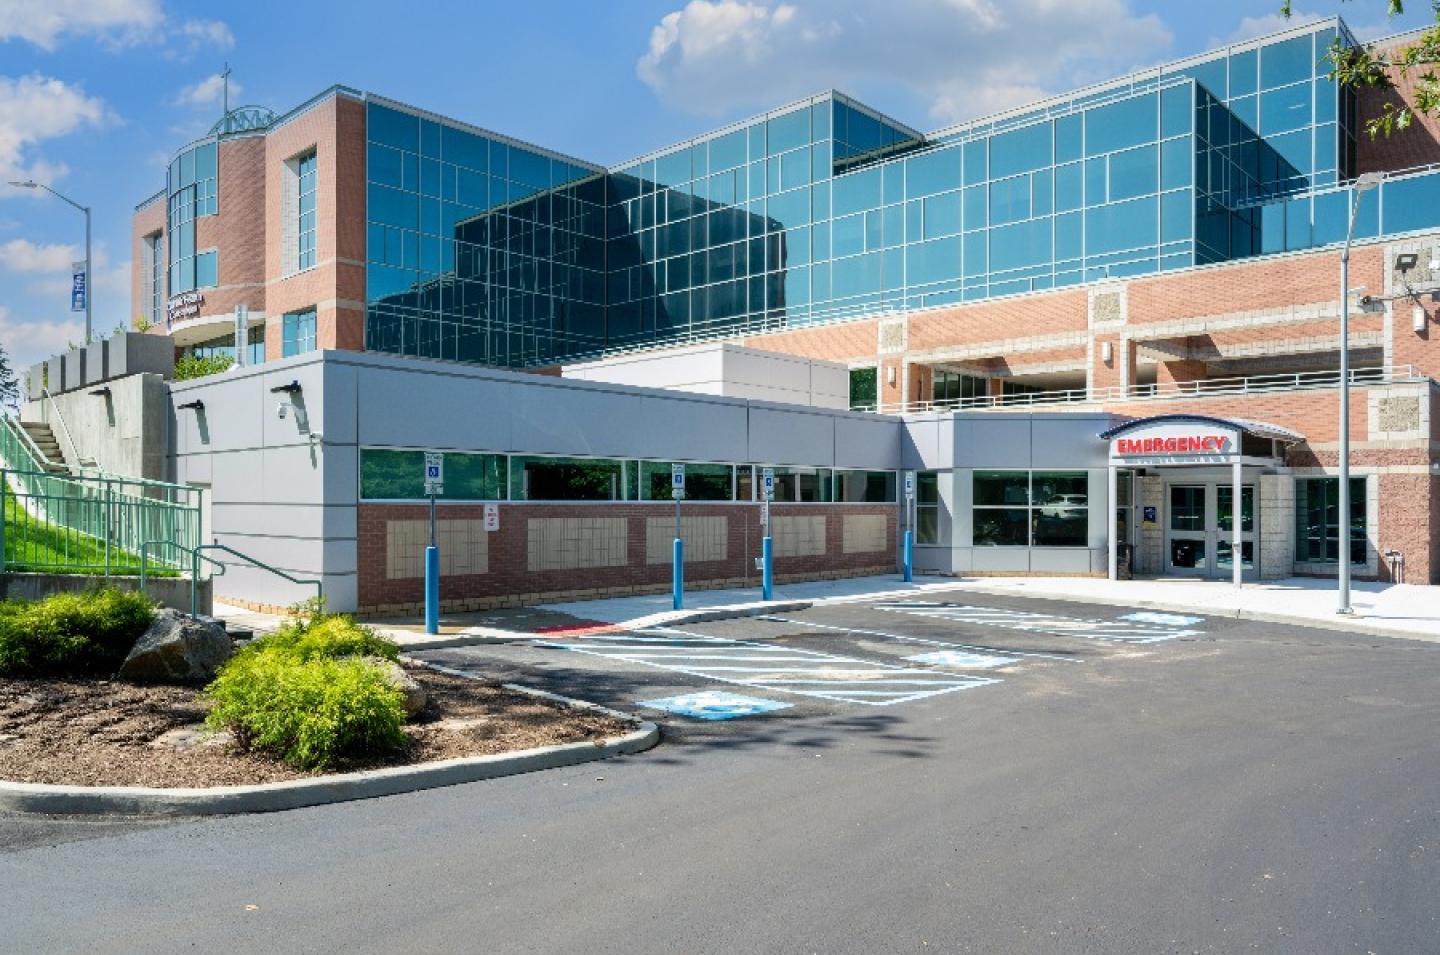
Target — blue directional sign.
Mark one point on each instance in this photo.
(79, 287)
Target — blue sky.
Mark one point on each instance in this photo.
(95, 94)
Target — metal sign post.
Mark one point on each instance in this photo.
(907, 556)
(767, 545)
(434, 487)
(677, 491)
(242, 334)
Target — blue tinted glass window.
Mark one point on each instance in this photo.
(1041, 189)
(1094, 181)
(1297, 224)
(1134, 172)
(383, 165)
(795, 169)
(298, 333)
(933, 172)
(1247, 110)
(1412, 203)
(1020, 150)
(1020, 245)
(205, 162)
(893, 188)
(974, 255)
(1126, 123)
(1009, 200)
(976, 167)
(532, 169)
(672, 169)
(1177, 211)
(1176, 156)
(1069, 236)
(857, 191)
(464, 149)
(789, 131)
(727, 151)
(1243, 73)
(974, 203)
(1177, 109)
(789, 208)
(1069, 187)
(857, 276)
(872, 230)
(1294, 148)
(848, 235)
(1327, 96)
(756, 148)
(820, 120)
(1285, 109)
(1288, 61)
(1069, 137)
(942, 215)
(206, 270)
(893, 228)
(1210, 75)
(1121, 225)
(393, 207)
(393, 128)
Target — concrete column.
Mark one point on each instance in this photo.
(1112, 521)
(1236, 524)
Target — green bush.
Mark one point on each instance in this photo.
(71, 634)
(304, 692)
(310, 713)
(325, 636)
(197, 366)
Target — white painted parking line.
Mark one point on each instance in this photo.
(1122, 630)
(963, 661)
(780, 669)
(907, 638)
(714, 705)
(1164, 619)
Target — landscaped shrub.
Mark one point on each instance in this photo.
(310, 713)
(71, 634)
(306, 692)
(201, 366)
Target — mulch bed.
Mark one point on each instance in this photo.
(90, 733)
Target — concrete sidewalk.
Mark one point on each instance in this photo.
(1385, 609)
(1398, 610)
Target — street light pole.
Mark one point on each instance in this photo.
(89, 276)
(1361, 186)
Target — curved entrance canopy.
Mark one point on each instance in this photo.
(1196, 439)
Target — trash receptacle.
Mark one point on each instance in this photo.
(1123, 554)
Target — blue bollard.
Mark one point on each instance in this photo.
(678, 574)
(909, 556)
(432, 589)
(767, 569)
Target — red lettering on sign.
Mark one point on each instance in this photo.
(1182, 444)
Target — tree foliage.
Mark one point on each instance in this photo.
(1362, 66)
(9, 387)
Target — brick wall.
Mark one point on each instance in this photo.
(1417, 146)
(146, 221)
(509, 581)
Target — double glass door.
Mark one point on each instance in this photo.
(1200, 529)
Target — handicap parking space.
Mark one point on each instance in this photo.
(831, 659)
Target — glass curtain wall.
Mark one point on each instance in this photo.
(192, 191)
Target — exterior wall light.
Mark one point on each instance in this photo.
(289, 389)
(197, 405)
(1418, 318)
(1107, 352)
(101, 392)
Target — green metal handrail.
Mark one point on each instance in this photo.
(15, 442)
(145, 560)
(195, 573)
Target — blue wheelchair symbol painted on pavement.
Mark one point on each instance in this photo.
(713, 705)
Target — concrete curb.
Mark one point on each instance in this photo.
(341, 787)
(677, 618)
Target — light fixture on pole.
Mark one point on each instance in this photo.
(89, 271)
(1358, 188)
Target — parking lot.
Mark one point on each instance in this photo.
(710, 679)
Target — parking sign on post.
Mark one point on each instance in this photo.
(434, 486)
(434, 473)
(767, 483)
(909, 485)
(677, 481)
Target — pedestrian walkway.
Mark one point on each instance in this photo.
(1389, 609)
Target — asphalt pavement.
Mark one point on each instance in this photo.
(942, 773)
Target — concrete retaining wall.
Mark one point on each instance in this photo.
(173, 592)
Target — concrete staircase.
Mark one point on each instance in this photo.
(40, 434)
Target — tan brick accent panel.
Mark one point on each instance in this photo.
(569, 543)
(864, 533)
(148, 220)
(464, 547)
(840, 342)
(706, 538)
(799, 536)
(509, 581)
(1026, 315)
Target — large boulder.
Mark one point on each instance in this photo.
(177, 649)
(415, 695)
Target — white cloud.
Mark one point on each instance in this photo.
(207, 92)
(967, 57)
(1251, 27)
(34, 109)
(117, 23)
(29, 341)
(22, 255)
(44, 22)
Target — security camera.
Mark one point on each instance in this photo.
(282, 409)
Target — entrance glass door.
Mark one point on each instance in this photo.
(1190, 527)
(1225, 529)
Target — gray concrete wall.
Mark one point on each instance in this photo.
(124, 432)
(284, 490)
(173, 592)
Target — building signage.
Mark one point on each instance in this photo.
(1179, 444)
(79, 286)
(492, 517)
(183, 306)
(1175, 442)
